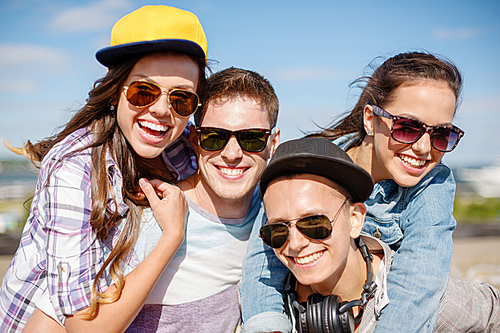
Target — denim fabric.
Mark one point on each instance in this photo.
(261, 287)
(416, 222)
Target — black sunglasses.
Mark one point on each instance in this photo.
(406, 130)
(142, 94)
(317, 227)
(252, 140)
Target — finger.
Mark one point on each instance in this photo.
(162, 188)
(149, 191)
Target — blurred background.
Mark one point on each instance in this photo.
(310, 51)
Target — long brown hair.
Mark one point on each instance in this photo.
(98, 116)
(378, 89)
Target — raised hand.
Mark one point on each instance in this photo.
(169, 206)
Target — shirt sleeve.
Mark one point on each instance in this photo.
(469, 307)
(261, 287)
(421, 265)
(73, 253)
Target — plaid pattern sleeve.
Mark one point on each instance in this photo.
(180, 155)
(58, 256)
(469, 307)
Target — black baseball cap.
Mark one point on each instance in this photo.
(318, 156)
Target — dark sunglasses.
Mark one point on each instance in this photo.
(317, 227)
(406, 130)
(142, 94)
(252, 140)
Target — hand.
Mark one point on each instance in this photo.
(169, 206)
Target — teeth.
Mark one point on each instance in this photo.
(231, 171)
(412, 161)
(308, 259)
(154, 127)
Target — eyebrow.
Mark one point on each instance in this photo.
(149, 79)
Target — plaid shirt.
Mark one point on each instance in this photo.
(469, 307)
(59, 256)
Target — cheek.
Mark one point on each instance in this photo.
(179, 124)
(124, 119)
(437, 156)
(281, 256)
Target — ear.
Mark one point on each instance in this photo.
(193, 138)
(274, 141)
(358, 213)
(368, 119)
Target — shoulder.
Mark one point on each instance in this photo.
(69, 147)
(70, 153)
(439, 183)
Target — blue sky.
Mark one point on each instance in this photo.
(310, 51)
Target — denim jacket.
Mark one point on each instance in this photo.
(416, 222)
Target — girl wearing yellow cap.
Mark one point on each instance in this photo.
(132, 128)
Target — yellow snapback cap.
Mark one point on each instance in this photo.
(153, 29)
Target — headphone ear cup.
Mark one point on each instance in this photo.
(314, 313)
(330, 315)
(347, 320)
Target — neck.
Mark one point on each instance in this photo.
(364, 156)
(197, 191)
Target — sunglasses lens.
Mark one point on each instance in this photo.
(253, 140)
(444, 139)
(406, 130)
(141, 94)
(274, 235)
(315, 227)
(183, 102)
(213, 139)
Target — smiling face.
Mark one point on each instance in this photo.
(232, 173)
(431, 102)
(151, 129)
(320, 264)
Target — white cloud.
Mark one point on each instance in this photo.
(21, 86)
(16, 54)
(93, 17)
(456, 34)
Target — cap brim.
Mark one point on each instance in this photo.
(353, 178)
(112, 55)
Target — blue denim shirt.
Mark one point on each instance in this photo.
(416, 222)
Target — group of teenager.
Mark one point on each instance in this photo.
(144, 222)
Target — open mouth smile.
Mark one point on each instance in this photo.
(231, 172)
(308, 259)
(413, 162)
(153, 130)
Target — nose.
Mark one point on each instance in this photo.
(423, 145)
(162, 107)
(296, 240)
(232, 151)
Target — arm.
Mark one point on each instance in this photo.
(469, 307)
(421, 266)
(171, 213)
(261, 286)
(74, 255)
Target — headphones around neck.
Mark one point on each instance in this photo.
(325, 313)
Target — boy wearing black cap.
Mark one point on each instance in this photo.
(338, 278)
